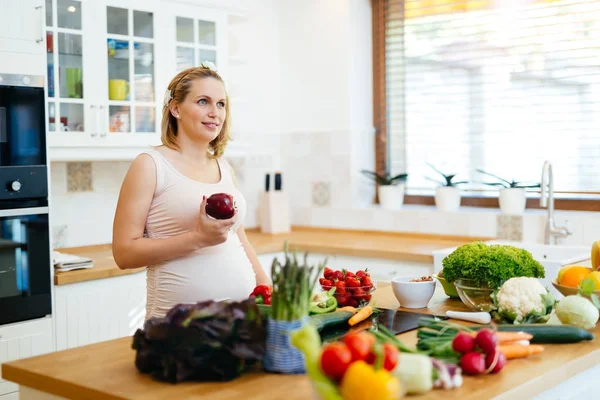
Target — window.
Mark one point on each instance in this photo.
(500, 86)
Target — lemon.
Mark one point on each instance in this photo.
(595, 276)
(596, 255)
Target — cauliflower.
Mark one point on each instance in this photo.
(523, 300)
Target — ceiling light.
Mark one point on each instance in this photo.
(71, 9)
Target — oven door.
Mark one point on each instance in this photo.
(25, 265)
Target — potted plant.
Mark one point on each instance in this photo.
(512, 193)
(447, 195)
(390, 189)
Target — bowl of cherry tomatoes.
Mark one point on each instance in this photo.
(352, 288)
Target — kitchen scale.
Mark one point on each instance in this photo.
(396, 321)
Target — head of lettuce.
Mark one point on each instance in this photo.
(490, 265)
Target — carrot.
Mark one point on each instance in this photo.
(347, 308)
(512, 351)
(509, 337)
(504, 337)
(363, 314)
(361, 326)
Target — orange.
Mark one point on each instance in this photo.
(573, 276)
(561, 272)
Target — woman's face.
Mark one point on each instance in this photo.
(202, 113)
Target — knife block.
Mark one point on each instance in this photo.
(274, 212)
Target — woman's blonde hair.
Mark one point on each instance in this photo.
(178, 89)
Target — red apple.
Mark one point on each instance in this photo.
(220, 206)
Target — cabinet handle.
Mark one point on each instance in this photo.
(40, 24)
(95, 130)
(102, 123)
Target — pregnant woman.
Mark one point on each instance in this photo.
(161, 219)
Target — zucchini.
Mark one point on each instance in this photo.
(322, 321)
(549, 334)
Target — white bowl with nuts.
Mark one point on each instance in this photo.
(413, 291)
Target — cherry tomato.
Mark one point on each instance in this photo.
(359, 344)
(335, 359)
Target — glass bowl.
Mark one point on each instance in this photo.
(352, 296)
(474, 295)
(449, 288)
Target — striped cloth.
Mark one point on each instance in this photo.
(280, 355)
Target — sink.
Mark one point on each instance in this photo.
(552, 258)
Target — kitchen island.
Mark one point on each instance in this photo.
(106, 371)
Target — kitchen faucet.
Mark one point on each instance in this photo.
(552, 232)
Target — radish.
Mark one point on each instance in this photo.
(463, 343)
(500, 359)
(487, 340)
(473, 363)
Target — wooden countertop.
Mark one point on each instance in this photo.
(386, 245)
(106, 371)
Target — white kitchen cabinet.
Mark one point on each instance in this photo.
(22, 340)
(109, 63)
(99, 310)
(22, 42)
(22, 26)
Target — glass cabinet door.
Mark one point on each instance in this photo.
(64, 48)
(130, 45)
(196, 42)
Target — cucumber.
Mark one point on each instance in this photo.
(549, 334)
(322, 321)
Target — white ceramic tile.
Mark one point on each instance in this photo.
(322, 217)
(301, 216)
(533, 228)
(58, 178)
(574, 224)
(347, 218)
(407, 221)
(340, 143)
(298, 145)
(341, 195)
(591, 230)
(59, 209)
(341, 169)
(481, 224)
(108, 176)
(383, 220)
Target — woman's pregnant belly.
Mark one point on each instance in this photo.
(214, 273)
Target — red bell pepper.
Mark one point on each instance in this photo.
(262, 293)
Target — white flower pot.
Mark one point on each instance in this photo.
(391, 197)
(512, 200)
(447, 198)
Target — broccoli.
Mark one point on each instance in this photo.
(490, 264)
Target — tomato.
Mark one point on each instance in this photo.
(335, 359)
(390, 356)
(341, 287)
(352, 282)
(359, 344)
(327, 273)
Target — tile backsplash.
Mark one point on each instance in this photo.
(79, 177)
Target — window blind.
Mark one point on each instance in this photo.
(497, 85)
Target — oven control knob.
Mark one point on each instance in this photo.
(14, 186)
(26, 80)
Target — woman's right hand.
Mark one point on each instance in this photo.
(212, 232)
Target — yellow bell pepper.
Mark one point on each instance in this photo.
(361, 381)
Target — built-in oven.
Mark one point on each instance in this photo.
(25, 261)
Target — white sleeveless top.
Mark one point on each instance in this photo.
(211, 273)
